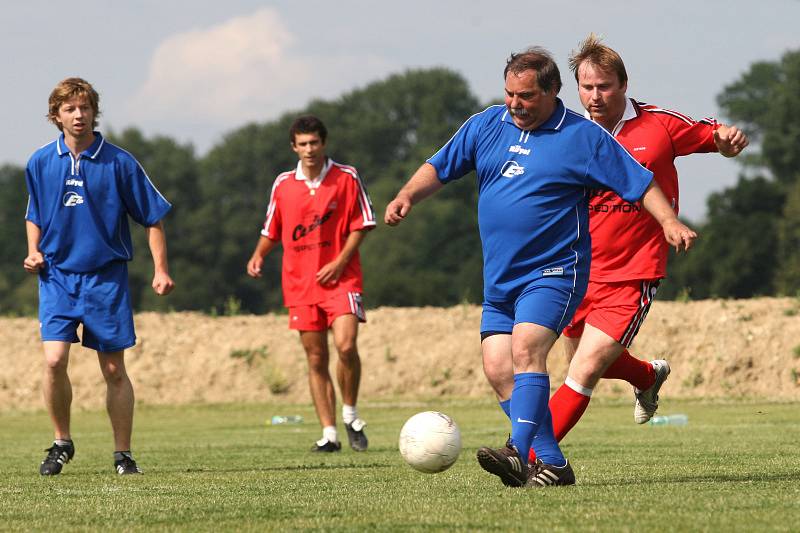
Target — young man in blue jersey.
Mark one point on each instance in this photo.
(535, 161)
(81, 191)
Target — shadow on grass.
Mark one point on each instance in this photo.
(714, 478)
(296, 468)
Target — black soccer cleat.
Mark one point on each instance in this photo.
(126, 465)
(57, 457)
(355, 434)
(506, 463)
(544, 475)
(324, 445)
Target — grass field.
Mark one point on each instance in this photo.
(734, 467)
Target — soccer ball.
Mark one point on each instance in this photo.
(430, 442)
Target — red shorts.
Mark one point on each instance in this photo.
(618, 309)
(320, 316)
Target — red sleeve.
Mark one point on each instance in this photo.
(272, 224)
(688, 136)
(362, 215)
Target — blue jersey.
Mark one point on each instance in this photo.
(82, 204)
(533, 192)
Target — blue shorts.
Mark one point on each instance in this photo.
(99, 300)
(550, 302)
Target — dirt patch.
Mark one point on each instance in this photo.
(717, 349)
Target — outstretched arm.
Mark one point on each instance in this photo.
(331, 272)
(730, 140)
(263, 247)
(422, 184)
(157, 240)
(676, 232)
(34, 261)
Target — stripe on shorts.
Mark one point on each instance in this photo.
(648, 294)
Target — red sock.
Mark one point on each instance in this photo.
(638, 373)
(566, 407)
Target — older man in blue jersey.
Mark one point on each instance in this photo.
(82, 189)
(535, 161)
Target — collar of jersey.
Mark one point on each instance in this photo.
(629, 113)
(91, 152)
(554, 122)
(298, 175)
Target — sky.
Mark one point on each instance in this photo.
(196, 70)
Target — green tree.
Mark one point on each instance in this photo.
(18, 289)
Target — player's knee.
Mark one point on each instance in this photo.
(113, 371)
(347, 348)
(317, 360)
(56, 363)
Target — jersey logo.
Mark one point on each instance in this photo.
(517, 149)
(511, 169)
(76, 183)
(557, 271)
(640, 148)
(71, 199)
(301, 231)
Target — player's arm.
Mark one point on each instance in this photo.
(157, 241)
(34, 260)
(422, 184)
(263, 247)
(730, 140)
(676, 232)
(332, 271)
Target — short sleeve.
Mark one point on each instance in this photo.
(612, 167)
(144, 203)
(32, 211)
(457, 158)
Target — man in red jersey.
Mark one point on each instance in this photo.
(629, 254)
(321, 212)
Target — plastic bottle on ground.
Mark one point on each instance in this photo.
(286, 419)
(669, 420)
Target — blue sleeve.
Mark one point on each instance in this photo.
(144, 203)
(32, 211)
(612, 167)
(457, 158)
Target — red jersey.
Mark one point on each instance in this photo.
(312, 219)
(628, 243)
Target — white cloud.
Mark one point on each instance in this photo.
(247, 68)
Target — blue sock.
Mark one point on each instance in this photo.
(528, 406)
(505, 405)
(545, 444)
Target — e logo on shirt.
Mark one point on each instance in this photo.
(71, 199)
(511, 169)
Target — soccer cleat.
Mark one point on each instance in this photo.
(356, 436)
(324, 445)
(647, 400)
(544, 475)
(506, 463)
(126, 465)
(57, 457)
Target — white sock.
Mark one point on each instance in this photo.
(577, 387)
(349, 413)
(329, 434)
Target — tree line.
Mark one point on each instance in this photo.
(750, 243)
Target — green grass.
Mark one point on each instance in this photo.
(734, 467)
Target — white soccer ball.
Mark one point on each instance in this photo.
(430, 442)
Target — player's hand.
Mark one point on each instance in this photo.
(679, 235)
(33, 263)
(397, 210)
(330, 273)
(730, 140)
(162, 283)
(254, 266)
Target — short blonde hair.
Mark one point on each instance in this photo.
(593, 51)
(68, 89)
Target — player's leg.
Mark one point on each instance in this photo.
(348, 374)
(59, 314)
(647, 377)
(120, 401)
(497, 321)
(315, 344)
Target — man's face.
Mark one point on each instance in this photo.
(528, 105)
(309, 149)
(76, 117)
(602, 94)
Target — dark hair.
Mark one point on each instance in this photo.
(536, 58)
(601, 56)
(308, 124)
